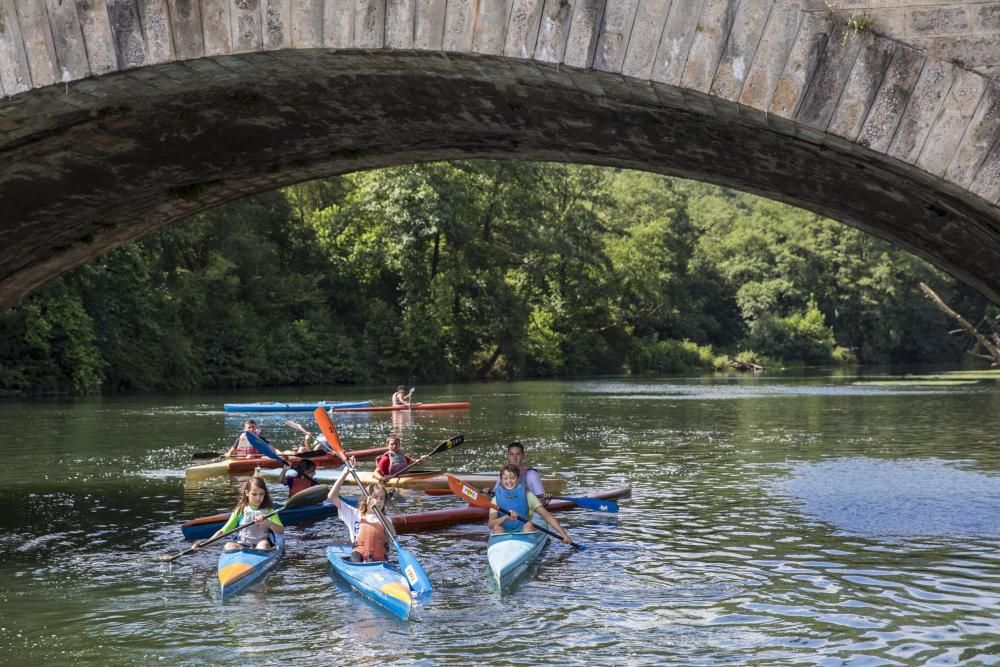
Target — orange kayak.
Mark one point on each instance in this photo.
(248, 465)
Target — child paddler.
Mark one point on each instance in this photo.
(366, 531)
(298, 477)
(395, 459)
(517, 501)
(241, 447)
(251, 513)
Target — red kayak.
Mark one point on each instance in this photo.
(415, 406)
(404, 523)
(412, 523)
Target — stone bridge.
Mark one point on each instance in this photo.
(119, 116)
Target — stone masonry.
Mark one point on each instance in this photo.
(966, 32)
(118, 116)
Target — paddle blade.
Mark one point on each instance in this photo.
(330, 431)
(595, 504)
(469, 494)
(297, 426)
(414, 573)
(450, 443)
(311, 496)
(261, 446)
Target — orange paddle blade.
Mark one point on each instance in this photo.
(469, 494)
(330, 431)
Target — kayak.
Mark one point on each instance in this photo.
(420, 521)
(414, 406)
(419, 479)
(379, 581)
(205, 527)
(511, 554)
(202, 528)
(248, 465)
(241, 567)
(271, 406)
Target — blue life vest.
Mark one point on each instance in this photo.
(514, 499)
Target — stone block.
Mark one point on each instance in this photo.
(15, 77)
(830, 78)
(584, 31)
(810, 42)
(155, 18)
(928, 95)
(708, 44)
(490, 31)
(369, 24)
(276, 23)
(770, 56)
(745, 35)
(938, 20)
(979, 137)
(185, 21)
(893, 96)
(399, 23)
(644, 39)
(522, 28)
(459, 25)
(306, 23)
(986, 17)
(37, 39)
(862, 87)
(675, 42)
(951, 122)
(246, 27)
(338, 24)
(619, 19)
(429, 16)
(553, 30)
(216, 27)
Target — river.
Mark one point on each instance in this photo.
(820, 519)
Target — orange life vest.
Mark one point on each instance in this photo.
(371, 541)
(299, 483)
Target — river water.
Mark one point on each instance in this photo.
(773, 520)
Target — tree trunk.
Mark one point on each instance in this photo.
(994, 352)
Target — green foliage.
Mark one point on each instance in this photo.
(478, 270)
(802, 336)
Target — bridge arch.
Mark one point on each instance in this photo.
(119, 116)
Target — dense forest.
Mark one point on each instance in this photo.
(478, 270)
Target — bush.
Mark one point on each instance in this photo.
(800, 336)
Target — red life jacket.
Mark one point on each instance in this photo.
(371, 541)
(299, 483)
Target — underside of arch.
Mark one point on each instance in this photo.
(87, 168)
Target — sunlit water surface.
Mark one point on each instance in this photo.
(813, 520)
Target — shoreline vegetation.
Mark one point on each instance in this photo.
(480, 270)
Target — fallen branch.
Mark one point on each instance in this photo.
(994, 351)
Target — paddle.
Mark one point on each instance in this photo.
(450, 443)
(469, 494)
(414, 573)
(199, 545)
(595, 504)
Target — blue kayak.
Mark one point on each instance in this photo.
(511, 554)
(293, 407)
(379, 581)
(205, 527)
(241, 567)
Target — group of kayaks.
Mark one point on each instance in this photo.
(509, 555)
(383, 582)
